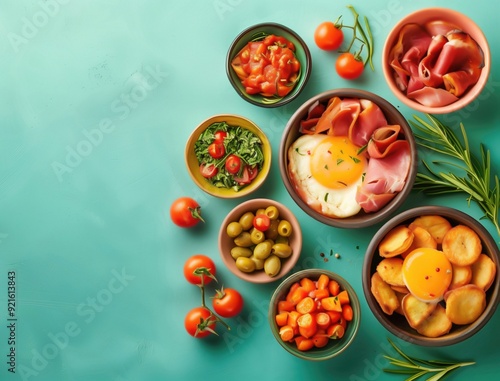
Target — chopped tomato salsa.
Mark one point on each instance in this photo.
(267, 67)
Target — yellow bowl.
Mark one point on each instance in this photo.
(193, 165)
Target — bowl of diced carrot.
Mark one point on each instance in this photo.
(314, 314)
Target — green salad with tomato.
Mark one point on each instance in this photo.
(229, 156)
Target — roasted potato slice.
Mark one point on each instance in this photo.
(415, 310)
(396, 242)
(421, 238)
(400, 297)
(465, 304)
(437, 226)
(401, 289)
(437, 324)
(483, 272)
(384, 294)
(461, 245)
(391, 271)
(461, 276)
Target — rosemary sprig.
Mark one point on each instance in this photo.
(417, 368)
(475, 178)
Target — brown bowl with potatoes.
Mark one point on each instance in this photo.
(430, 276)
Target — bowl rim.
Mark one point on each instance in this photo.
(290, 262)
(433, 13)
(306, 72)
(225, 192)
(415, 337)
(353, 325)
(350, 222)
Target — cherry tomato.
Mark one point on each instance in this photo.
(199, 322)
(220, 136)
(216, 150)
(197, 267)
(327, 36)
(249, 173)
(233, 164)
(228, 302)
(185, 212)
(208, 170)
(261, 222)
(348, 67)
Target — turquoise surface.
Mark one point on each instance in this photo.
(97, 101)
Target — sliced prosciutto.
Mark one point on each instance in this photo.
(435, 63)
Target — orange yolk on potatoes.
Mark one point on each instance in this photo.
(336, 162)
(427, 273)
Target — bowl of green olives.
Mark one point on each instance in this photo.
(260, 240)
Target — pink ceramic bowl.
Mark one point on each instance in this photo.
(465, 24)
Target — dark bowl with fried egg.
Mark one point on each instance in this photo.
(436, 60)
(428, 308)
(348, 158)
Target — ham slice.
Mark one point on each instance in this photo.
(385, 177)
(370, 118)
(434, 59)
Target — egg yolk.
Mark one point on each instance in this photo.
(337, 163)
(427, 274)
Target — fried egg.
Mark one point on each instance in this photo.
(327, 171)
(427, 274)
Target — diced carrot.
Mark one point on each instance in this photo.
(323, 281)
(286, 333)
(285, 305)
(335, 316)
(298, 294)
(335, 331)
(293, 287)
(292, 319)
(307, 325)
(344, 297)
(306, 305)
(334, 287)
(320, 339)
(282, 318)
(308, 284)
(347, 312)
(323, 320)
(320, 293)
(303, 343)
(331, 304)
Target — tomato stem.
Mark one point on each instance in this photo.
(196, 213)
(202, 272)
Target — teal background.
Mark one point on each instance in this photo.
(97, 100)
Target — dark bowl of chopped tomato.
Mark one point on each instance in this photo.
(228, 156)
(436, 60)
(314, 314)
(268, 64)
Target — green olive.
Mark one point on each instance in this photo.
(234, 229)
(272, 265)
(260, 211)
(285, 228)
(262, 250)
(259, 263)
(272, 232)
(257, 236)
(245, 264)
(272, 212)
(244, 240)
(239, 251)
(281, 250)
(246, 220)
(281, 239)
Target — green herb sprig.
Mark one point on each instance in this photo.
(365, 37)
(475, 178)
(416, 368)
